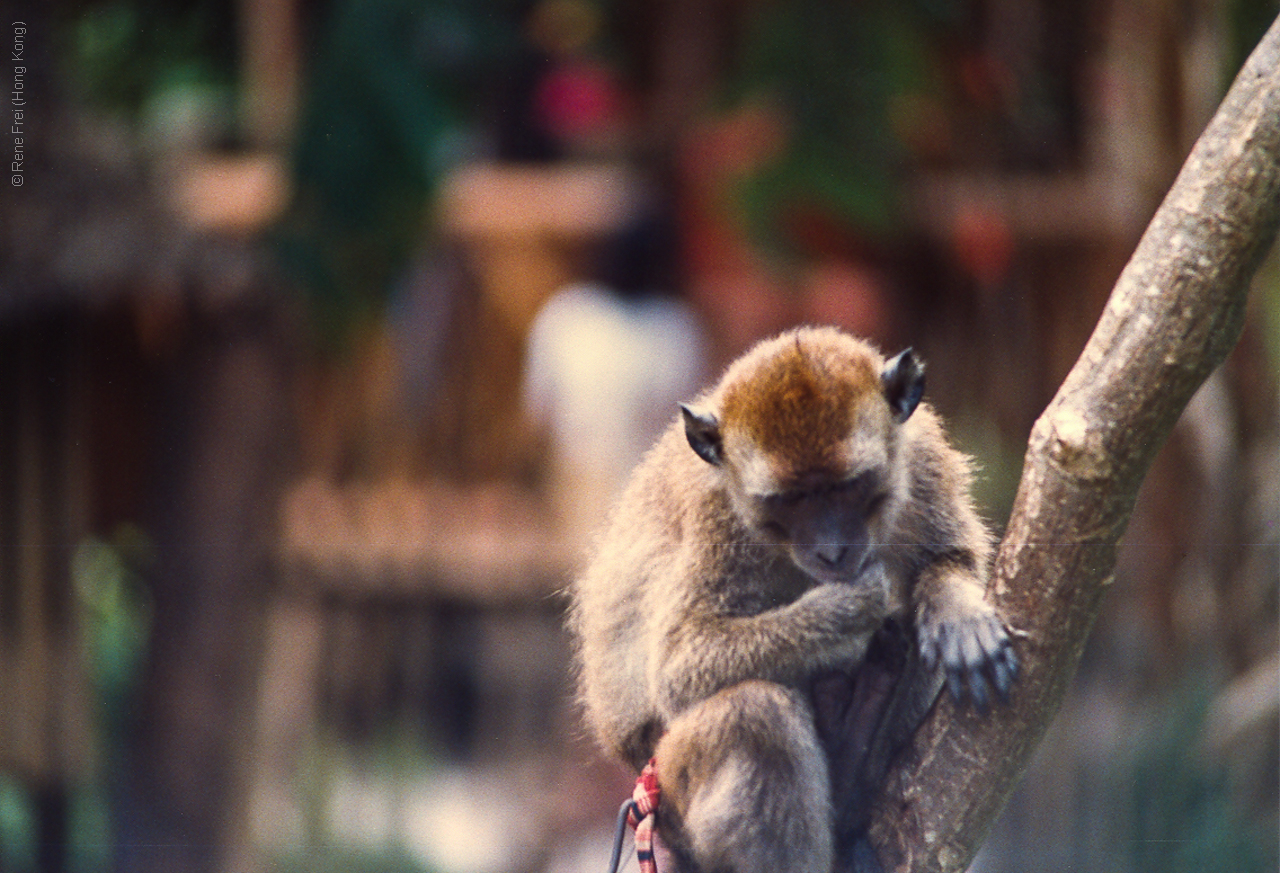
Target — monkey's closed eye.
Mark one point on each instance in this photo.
(790, 498)
(864, 484)
(774, 530)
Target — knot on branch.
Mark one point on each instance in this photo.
(1075, 446)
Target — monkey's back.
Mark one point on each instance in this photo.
(633, 582)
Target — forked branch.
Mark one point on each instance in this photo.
(1175, 313)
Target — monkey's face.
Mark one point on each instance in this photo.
(829, 508)
(805, 440)
(830, 526)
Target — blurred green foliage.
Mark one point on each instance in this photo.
(17, 827)
(393, 97)
(1247, 21)
(121, 54)
(395, 751)
(835, 70)
(1183, 812)
(88, 833)
(116, 615)
(115, 621)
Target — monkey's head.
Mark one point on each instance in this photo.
(804, 431)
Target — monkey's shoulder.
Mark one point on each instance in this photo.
(672, 494)
(677, 525)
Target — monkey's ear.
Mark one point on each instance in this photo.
(703, 432)
(903, 381)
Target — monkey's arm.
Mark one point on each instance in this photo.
(959, 630)
(705, 650)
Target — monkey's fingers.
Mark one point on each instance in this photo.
(930, 643)
(944, 646)
(997, 670)
(976, 655)
(1004, 670)
(978, 691)
(948, 649)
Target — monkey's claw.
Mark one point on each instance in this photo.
(976, 654)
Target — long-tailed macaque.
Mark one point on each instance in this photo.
(793, 572)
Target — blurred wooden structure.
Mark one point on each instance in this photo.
(490, 544)
(46, 721)
(400, 539)
(138, 363)
(524, 233)
(411, 604)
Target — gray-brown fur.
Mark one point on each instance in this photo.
(707, 631)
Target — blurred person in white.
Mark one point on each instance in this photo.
(607, 363)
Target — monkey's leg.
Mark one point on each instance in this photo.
(745, 784)
(863, 719)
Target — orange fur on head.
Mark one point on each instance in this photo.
(799, 403)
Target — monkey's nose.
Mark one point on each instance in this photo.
(831, 554)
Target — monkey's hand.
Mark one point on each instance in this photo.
(961, 632)
(846, 608)
(829, 625)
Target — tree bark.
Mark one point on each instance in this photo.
(1176, 311)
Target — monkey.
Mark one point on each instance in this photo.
(791, 576)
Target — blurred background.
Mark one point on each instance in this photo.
(329, 328)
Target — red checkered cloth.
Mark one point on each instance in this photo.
(643, 815)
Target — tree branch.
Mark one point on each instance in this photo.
(1176, 311)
